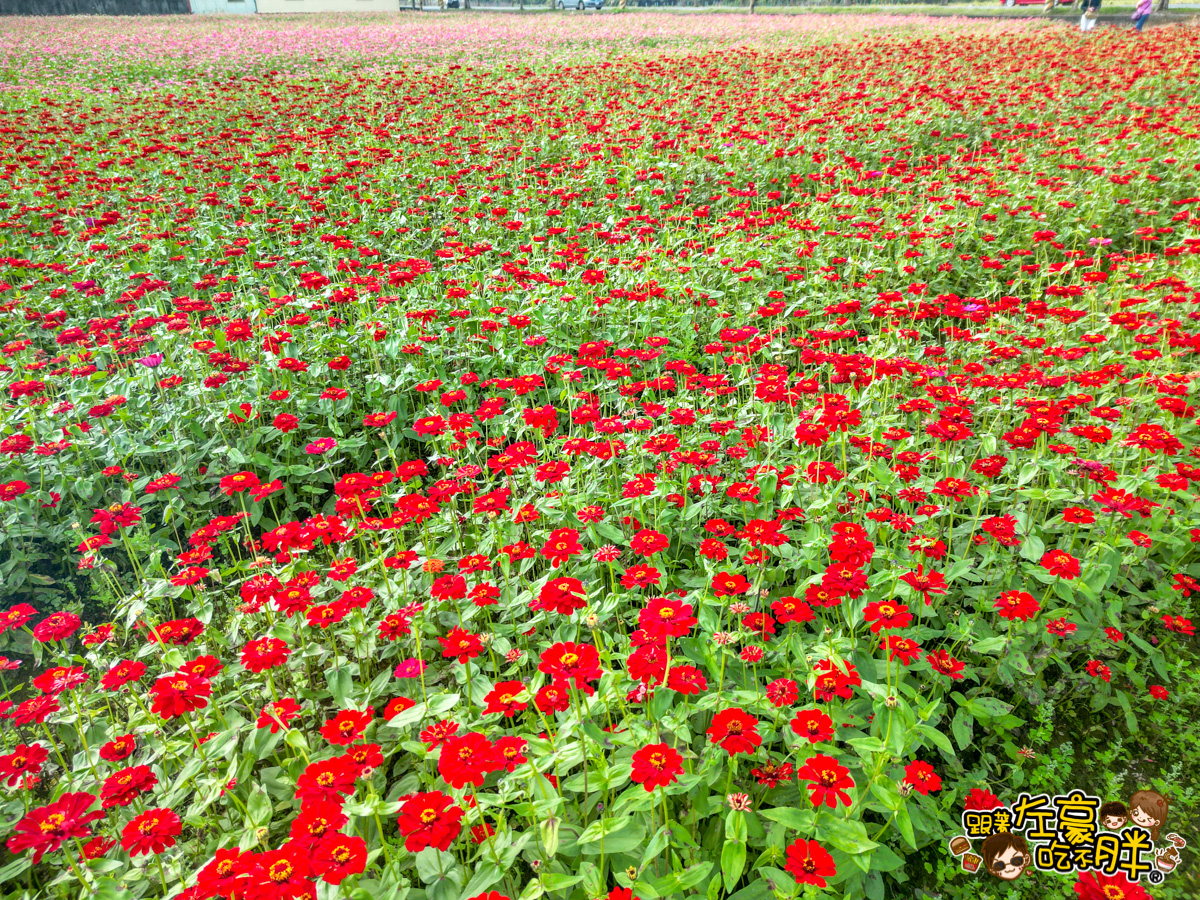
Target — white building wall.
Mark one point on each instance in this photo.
(223, 7)
(320, 6)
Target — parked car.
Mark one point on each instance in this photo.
(580, 4)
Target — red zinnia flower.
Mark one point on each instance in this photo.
(656, 765)
(226, 873)
(152, 832)
(45, 829)
(1061, 564)
(347, 726)
(725, 584)
(648, 542)
(828, 781)
(925, 583)
(461, 644)
(59, 679)
(735, 730)
(502, 699)
(429, 820)
(1096, 886)
(569, 661)
(118, 748)
(981, 798)
(1017, 605)
(330, 779)
(666, 618)
(180, 693)
(281, 874)
(264, 653)
(467, 759)
(562, 595)
(782, 692)
(510, 751)
(887, 614)
(813, 724)
(832, 681)
(809, 863)
(122, 788)
(26, 759)
(922, 777)
(278, 714)
(317, 820)
(946, 664)
(902, 648)
(339, 855)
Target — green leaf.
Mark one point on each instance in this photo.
(904, 825)
(259, 807)
(1032, 548)
(988, 707)
(884, 859)
(657, 844)
(618, 835)
(340, 684)
(940, 740)
(487, 873)
(432, 863)
(733, 860)
(549, 830)
(678, 882)
(593, 881)
(850, 836)
(557, 881)
(106, 888)
(735, 826)
(990, 645)
(963, 728)
(791, 818)
(14, 870)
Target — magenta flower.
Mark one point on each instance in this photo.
(322, 445)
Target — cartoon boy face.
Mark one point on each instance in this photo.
(1113, 816)
(1009, 864)
(1005, 855)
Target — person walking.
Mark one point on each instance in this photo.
(1090, 9)
(1142, 13)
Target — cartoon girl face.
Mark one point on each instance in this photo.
(1142, 818)
(1148, 809)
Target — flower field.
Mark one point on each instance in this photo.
(476, 457)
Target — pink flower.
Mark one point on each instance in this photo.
(317, 447)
